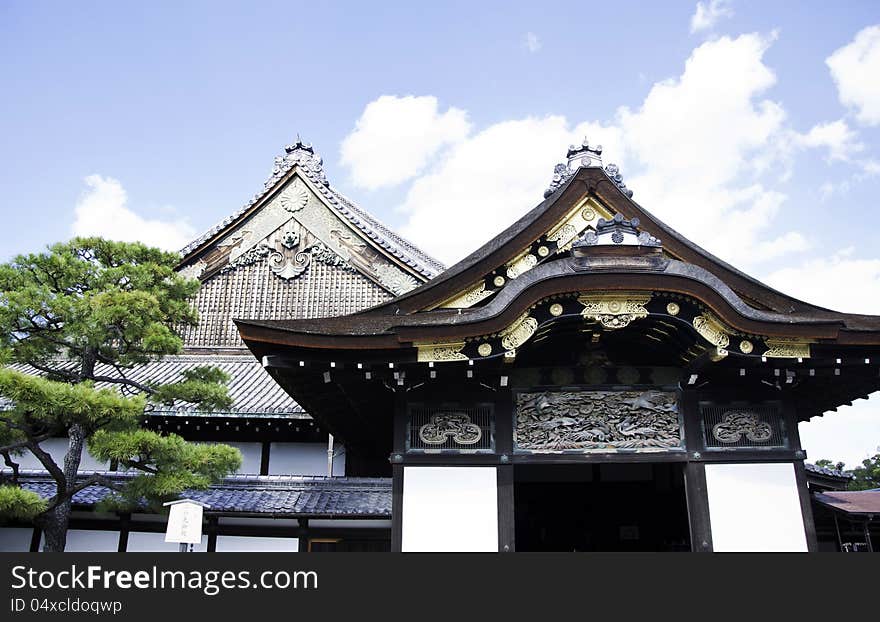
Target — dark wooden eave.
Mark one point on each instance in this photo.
(385, 328)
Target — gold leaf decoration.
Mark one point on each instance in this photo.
(615, 309)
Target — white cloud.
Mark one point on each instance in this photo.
(532, 42)
(396, 136)
(707, 14)
(691, 151)
(705, 152)
(485, 183)
(855, 68)
(848, 283)
(836, 136)
(102, 211)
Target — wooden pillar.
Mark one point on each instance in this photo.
(695, 488)
(303, 537)
(506, 514)
(698, 507)
(398, 451)
(36, 536)
(800, 474)
(504, 415)
(124, 522)
(213, 528)
(397, 508)
(264, 458)
(837, 529)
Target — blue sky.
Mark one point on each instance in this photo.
(729, 121)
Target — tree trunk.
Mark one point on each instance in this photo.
(54, 522)
(54, 526)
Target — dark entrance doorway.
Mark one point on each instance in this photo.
(601, 507)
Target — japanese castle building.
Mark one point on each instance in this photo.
(588, 380)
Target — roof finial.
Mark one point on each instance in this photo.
(584, 155)
(587, 156)
(299, 145)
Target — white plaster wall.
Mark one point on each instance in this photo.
(155, 542)
(91, 541)
(15, 539)
(755, 507)
(450, 509)
(304, 459)
(57, 448)
(251, 457)
(228, 544)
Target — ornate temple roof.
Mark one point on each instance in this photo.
(590, 253)
(302, 156)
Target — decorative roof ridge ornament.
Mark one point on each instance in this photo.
(617, 232)
(613, 172)
(301, 153)
(311, 165)
(577, 156)
(587, 156)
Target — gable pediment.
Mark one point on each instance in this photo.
(292, 229)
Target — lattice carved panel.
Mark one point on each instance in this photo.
(456, 428)
(742, 426)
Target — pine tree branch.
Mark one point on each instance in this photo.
(91, 480)
(25, 443)
(51, 466)
(12, 464)
(140, 466)
(123, 381)
(63, 373)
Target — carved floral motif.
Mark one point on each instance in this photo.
(712, 331)
(295, 197)
(781, 347)
(396, 280)
(440, 352)
(521, 265)
(615, 310)
(736, 424)
(519, 332)
(456, 426)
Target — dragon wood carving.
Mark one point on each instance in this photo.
(597, 420)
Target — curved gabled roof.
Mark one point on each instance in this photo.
(302, 158)
(607, 187)
(751, 298)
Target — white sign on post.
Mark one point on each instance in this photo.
(184, 522)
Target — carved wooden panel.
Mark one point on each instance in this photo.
(730, 426)
(468, 429)
(554, 421)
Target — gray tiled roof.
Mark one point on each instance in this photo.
(275, 495)
(311, 166)
(812, 468)
(253, 391)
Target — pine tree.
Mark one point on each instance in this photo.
(86, 312)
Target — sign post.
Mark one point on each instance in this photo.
(185, 522)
